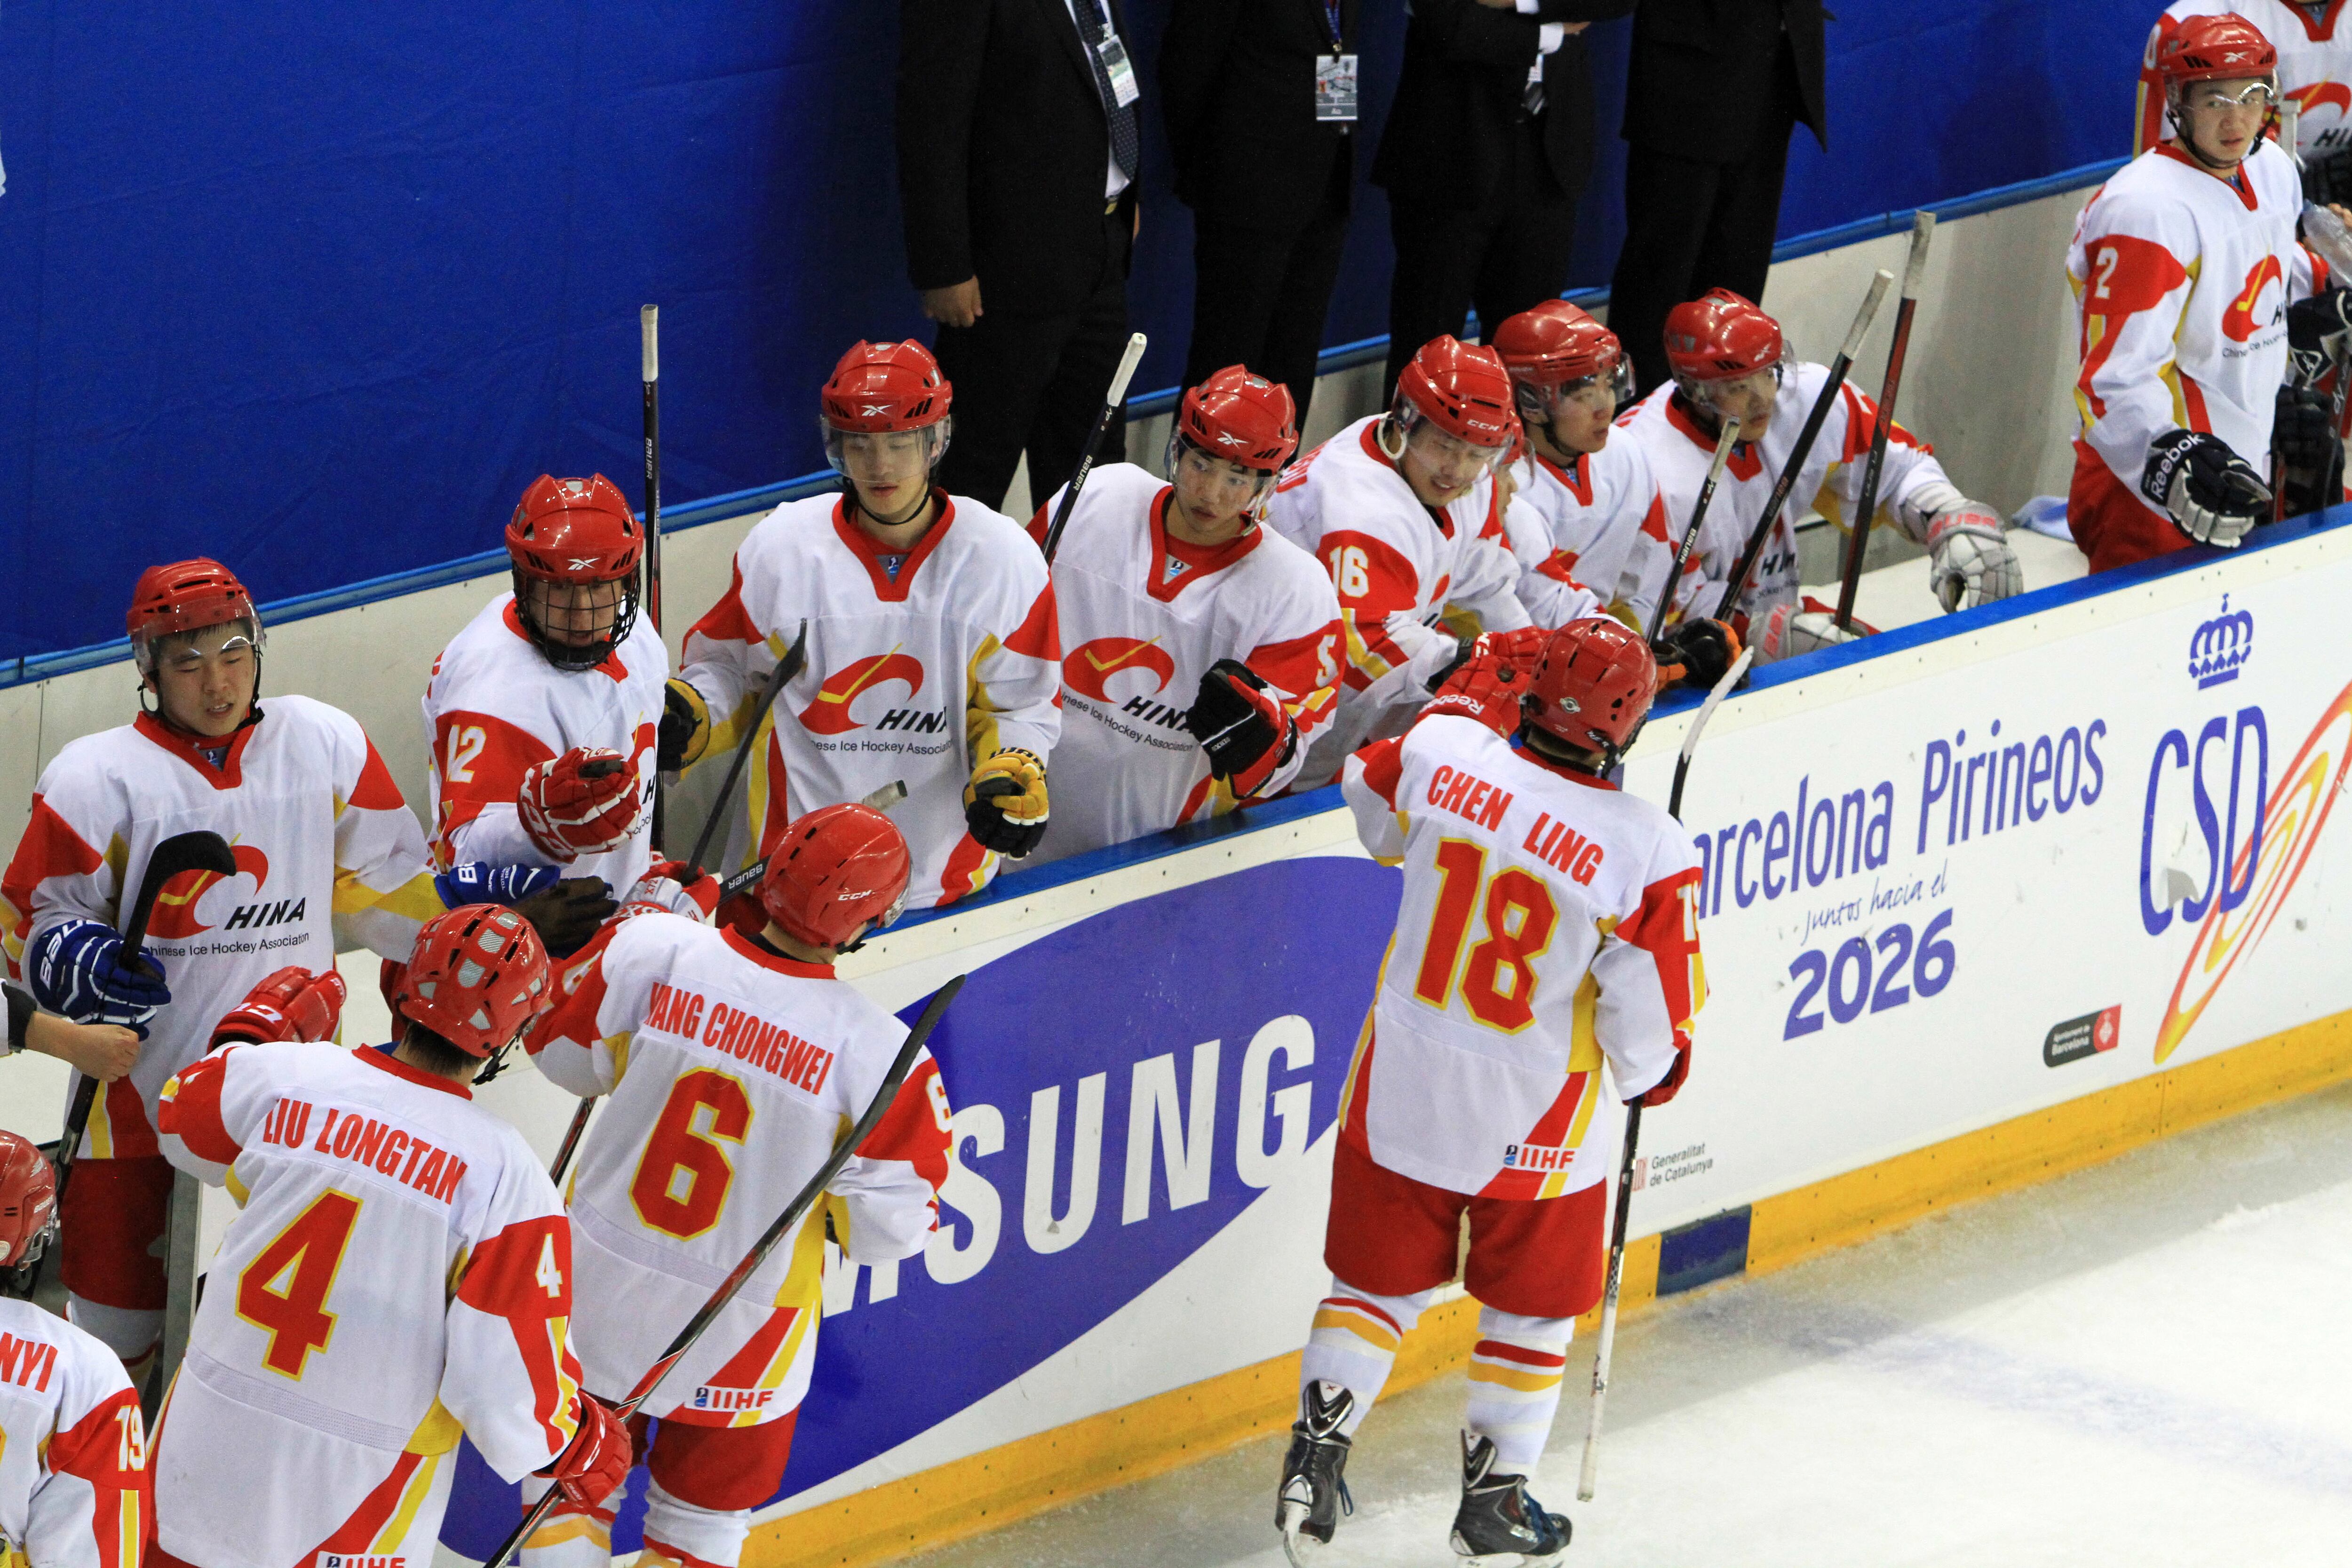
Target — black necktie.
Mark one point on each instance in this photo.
(1126, 144)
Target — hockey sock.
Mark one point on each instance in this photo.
(576, 1537)
(1354, 1343)
(677, 1532)
(1514, 1375)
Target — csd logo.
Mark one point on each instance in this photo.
(829, 714)
(1090, 665)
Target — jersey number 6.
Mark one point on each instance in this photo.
(682, 1179)
(1498, 982)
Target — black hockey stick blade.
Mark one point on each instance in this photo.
(801, 1202)
(796, 657)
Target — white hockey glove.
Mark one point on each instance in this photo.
(2211, 492)
(1792, 630)
(1430, 652)
(1969, 562)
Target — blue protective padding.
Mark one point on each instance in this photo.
(1704, 1251)
(321, 300)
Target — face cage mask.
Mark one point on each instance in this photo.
(563, 656)
(142, 659)
(1179, 444)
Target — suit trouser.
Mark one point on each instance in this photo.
(1033, 382)
(1506, 255)
(1261, 289)
(1692, 225)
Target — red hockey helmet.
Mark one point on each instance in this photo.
(573, 534)
(2214, 48)
(838, 868)
(1462, 390)
(1591, 686)
(879, 388)
(185, 596)
(1720, 336)
(1241, 417)
(477, 978)
(1556, 350)
(28, 1200)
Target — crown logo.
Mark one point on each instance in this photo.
(2221, 647)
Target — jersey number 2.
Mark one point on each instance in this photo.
(283, 1291)
(1498, 982)
(682, 1178)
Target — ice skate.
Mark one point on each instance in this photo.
(1314, 1488)
(1498, 1524)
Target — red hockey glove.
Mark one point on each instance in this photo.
(1666, 1088)
(290, 1004)
(1487, 685)
(1242, 725)
(581, 803)
(676, 888)
(599, 1457)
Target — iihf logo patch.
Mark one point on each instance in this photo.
(731, 1399)
(2221, 647)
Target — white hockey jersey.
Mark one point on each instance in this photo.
(1548, 921)
(495, 708)
(74, 1491)
(1679, 453)
(920, 668)
(399, 1273)
(731, 1072)
(327, 855)
(1585, 529)
(2181, 283)
(1143, 616)
(2315, 68)
(1345, 504)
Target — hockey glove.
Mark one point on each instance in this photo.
(2208, 489)
(1004, 805)
(1243, 726)
(290, 1004)
(581, 803)
(1695, 652)
(78, 969)
(1969, 563)
(1488, 685)
(1666, 1088)
(2312, 324)
(1430, 653)
(480, 882)
(675, 888)
(2299, 434)
(684, 728)
(1804, 627)
(598, 1458)
(567, 914)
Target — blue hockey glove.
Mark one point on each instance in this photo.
(77, 970)
(479, 882)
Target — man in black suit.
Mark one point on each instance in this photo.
(1714, 90)
(1484, 153)
(1018, 157)
(1259, 98)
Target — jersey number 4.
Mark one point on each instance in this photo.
(283, 1291)
(683, 1177)
(1499, 980)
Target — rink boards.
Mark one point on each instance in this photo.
(1986, 899)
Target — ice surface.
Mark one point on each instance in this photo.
(2142, 1363)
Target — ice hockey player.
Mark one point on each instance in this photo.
(1602, 518)
(1200, 649)
(1402, 512)
(2315, 72)
(328, 855)
(1728, 360)
(73, 1451)
(932, 655)
(699, 1034)
(398, 1274)
(1548, 925)
(2191, 290)
(543, 716)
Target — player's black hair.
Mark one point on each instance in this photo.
(436, 1053)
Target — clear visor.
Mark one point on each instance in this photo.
(885, 457)
(2259, 94)
(1208, 483)
(188, 652)
(1746, 398)
(1601, 394)
(1407, 427)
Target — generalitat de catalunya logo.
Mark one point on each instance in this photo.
(829, 714)
(2293, 817)
(1090, 665)
(175, 905)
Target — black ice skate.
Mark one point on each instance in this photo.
(1314, 1490)
(1498, 1522)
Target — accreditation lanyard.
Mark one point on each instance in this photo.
(1117, 67)
(1335, 73)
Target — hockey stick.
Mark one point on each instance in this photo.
(1111, 401)
(649, 369)
(882, 799)
(786, 668)
(1804, 447)
(198, 851)
(1723, 445)
(1616, 1275)
(1923, 231)
(808, 1194)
